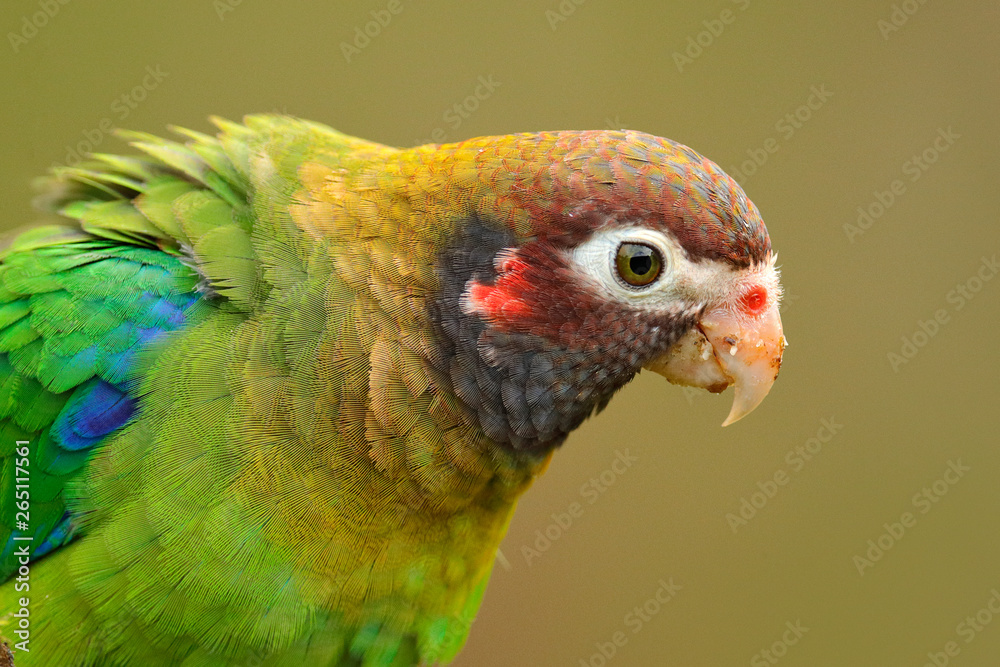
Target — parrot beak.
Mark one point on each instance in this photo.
(728, 348)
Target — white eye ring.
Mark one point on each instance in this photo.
(597, 257)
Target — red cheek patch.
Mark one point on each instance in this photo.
(502, 302)
(533, 292)
(496, 303)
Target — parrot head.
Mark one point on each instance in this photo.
(622, 251)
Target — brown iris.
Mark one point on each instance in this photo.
(638, 264)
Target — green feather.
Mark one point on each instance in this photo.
(294, 486)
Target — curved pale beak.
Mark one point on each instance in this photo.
(725, 349)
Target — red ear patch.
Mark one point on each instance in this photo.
(533, 292)
(502, 302)
(496, 303)
(754, 300)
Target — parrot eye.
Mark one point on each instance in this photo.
(638, 264)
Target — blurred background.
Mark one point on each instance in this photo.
(854, 518)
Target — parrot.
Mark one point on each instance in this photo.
(269, 396)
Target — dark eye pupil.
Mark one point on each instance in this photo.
(640, 264)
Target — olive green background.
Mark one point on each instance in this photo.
(849, 301)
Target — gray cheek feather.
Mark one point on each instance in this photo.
(528, 390)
